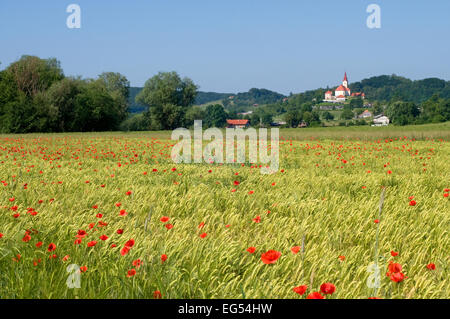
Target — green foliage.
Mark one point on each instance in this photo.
(167, 88)
(36, 97)
(253, 96)
(347, 114)
(215, 116)
(402, 113)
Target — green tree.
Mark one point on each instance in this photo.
(215, 116)
(402, 113)
(347, 114)
(328, 116)
(167, 95)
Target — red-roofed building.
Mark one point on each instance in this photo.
(238, 123)
(341, 93)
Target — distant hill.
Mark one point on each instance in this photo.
(253, 96)
(388, 87)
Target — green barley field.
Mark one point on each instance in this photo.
(111, 213)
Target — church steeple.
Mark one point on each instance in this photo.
(345, 81)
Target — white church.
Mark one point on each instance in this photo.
(342, 92)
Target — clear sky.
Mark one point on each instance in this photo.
(234, 45)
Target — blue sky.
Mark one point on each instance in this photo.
(233, 45)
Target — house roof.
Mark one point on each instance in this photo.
(237, 122)
(341, 88)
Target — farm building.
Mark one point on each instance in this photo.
(238, 123)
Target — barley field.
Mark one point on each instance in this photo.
(110, 213)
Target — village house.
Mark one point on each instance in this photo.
(365, 114)
(238, 123)
(380, 120)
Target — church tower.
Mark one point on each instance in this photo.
(345, 81)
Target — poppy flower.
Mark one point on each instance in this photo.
(26, 238)
(1, 235)
(95, 206)
(342, 258)
(397, 277)
(77, 241)
(123, 212)
(103, 237)
(201, 225)
(119, 231)
(38, 244)
(125, 250)
(130, 243)
(83, 268)
(131, 272)
(163, 257)
(164, 219)
(99, 215)
(51, 247)
(257, 219)
(327, 288)
(137, 263)
(376, 221)
(315, 295)
(412, 203)
(169, 226)
(300, 289)
(236, 183)
(157, 294)
(203, 235)
(431, 266)
(251, 250)
(128, 193)
(270, 257)
(66, 257)
(445, 194)
(394, 267)
(393, 253)
(295, 249)
(92, 243)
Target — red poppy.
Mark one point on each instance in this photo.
(203, 235)
(270, 257)
(342, 258)
(92, 243)
(130, 243)
(315, 295)
(123, 212)
(376, 221)
(327, 288)
(164, 219)
(119, 231)
(51, 247)
(236, 183)
(300, 289)
(295, 249)
(431, 266)
(128, 193)
(66, 257)
(103, 237)
(26, 238)
(38, 244)
(163, 257)
(251, 250)
(412, 203)
(201, 225)
(169, 226)
(83, 268)
(157, 294)
(131, 272)
(393, 253)
(125, 250)
(257, 219)
(397, 277)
